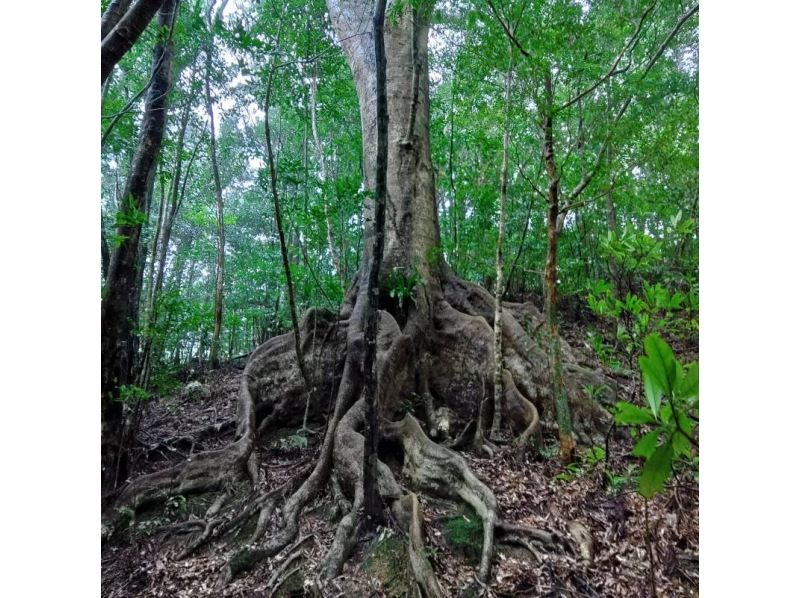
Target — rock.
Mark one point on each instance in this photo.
(196, 390)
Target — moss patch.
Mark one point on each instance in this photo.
(293, 586)
(388, 563)
(464, 533)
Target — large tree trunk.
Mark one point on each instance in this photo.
(118, 309)
(113, 13)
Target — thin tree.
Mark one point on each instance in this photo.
(557, 386)
(119, 307)
(372, 504)
(499, 401)
(219, 285)
(322, 176)
(276, 204)
(177, 191)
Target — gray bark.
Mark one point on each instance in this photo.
(498, 283)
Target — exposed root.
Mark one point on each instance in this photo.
(440, 470)
(582, 538)
(525, 356)
(423, 572)
(348, 460)
(294, 554)
(546, 541)
(206, 471)
(349, 387)
(264, 505)
(443, 356)
(273, 590)
(521, 412)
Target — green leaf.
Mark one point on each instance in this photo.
(653, 388)
(663, 361)
(685, 423)
(647, 444)
(629, 414)
(690, 387)
(665, 415)
(656, 471)
(681, 445)
(677, 300)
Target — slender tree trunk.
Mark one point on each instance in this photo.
(276, 203)
(454, 211)
(141, 265)
(499, 401)
(323, 177)
(611, 212)
(525, 230)
(162, 206)
(220, 271)
(558, 389)
(372, 505)
(125, 33)
(176, 194)
(118, 308)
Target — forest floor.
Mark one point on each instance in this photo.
(598, 493)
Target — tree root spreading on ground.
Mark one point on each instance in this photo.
(450, 332)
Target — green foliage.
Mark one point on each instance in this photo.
(295, 441)
(129, 214)
(164, 381)
(400, 285)
(593, 391)
(130, 393)
(657, 310)
(595, 455)
(465, 533)
(648, 184)
(667, 429)
(617, 481)
(590, 460)
(571, 471)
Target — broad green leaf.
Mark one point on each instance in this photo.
(629, 414)
(684, 422)
(647, 444)
(653, 388)
(662, 360)
(656, 471)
